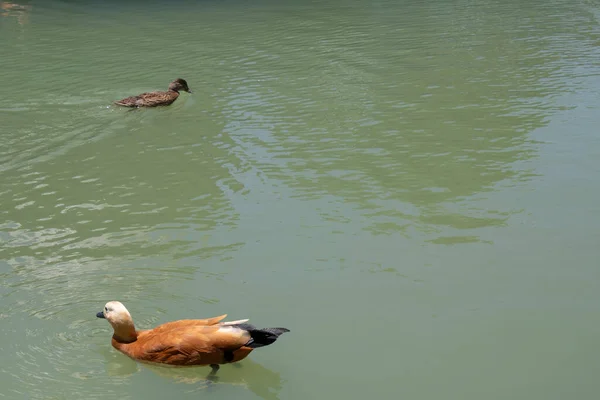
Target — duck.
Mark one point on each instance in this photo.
(188, 342)
(157, 98)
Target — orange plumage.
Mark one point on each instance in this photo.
(186, 342)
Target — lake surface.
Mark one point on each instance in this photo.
(411, 187)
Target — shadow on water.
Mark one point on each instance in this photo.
(20, 12)
(127, 211)
(124, 191)
(248, 374)
(261, 381)
(407, 121)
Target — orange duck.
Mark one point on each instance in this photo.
(155, 99)
(186, 342)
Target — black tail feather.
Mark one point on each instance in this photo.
(261, 337)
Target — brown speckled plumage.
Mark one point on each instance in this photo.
(155, 99)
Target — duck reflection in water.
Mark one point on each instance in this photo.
(20, 11)
(261, 381)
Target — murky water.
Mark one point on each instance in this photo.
(410, 187)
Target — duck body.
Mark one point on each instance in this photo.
(190, 342)
(158, 98)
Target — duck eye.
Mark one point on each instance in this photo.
(105, 309)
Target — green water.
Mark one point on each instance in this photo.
(411, 187)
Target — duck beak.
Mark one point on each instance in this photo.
(189, 90)
(100, 315)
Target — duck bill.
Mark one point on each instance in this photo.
(189, 91)
(100, 315)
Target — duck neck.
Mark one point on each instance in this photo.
(125, 332)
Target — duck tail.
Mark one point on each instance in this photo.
(261, 337)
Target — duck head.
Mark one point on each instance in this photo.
(120, 319)
(178, 85)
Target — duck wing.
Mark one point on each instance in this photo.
(187, 323)
(149, 99)
(190, 345)
(191, 322)
(131, 101)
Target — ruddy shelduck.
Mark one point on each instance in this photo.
(186, 342)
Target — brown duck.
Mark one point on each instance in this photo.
(155, 99)
(186, 342)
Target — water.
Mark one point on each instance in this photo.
(410, 187)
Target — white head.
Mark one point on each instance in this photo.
(120, 319)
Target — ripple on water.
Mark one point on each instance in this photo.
(341, 137)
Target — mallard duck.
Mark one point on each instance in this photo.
(187, 342)
(154, 99)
